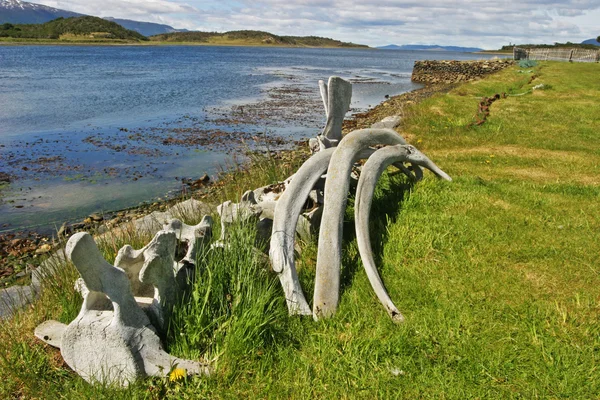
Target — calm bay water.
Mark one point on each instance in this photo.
(93, 129)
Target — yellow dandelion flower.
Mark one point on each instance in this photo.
(177, 374)
(487, 161)
(492, 156)
(419, 141)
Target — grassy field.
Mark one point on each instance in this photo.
(497, 273)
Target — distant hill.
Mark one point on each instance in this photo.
(583, 45)
(145, 28)
(433, 47)
(252, 38)
(21, 12)
(594, 42)
(74, 28)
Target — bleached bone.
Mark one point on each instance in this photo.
(339, 95)
(231, 212)
(151, 274)
(288, 211)
(370, 174)
(324, 96)
(327, 280)
(193, 236)
(336, 96)
(118, 344)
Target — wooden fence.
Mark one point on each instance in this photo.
(557, 54)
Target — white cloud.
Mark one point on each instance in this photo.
(120, 8)
(480, 23)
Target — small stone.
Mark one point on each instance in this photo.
(43, 249)
(97, 217)
(22, 274)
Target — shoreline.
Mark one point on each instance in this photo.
(51, 42)
(29, 246)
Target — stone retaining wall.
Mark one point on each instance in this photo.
(455, 71)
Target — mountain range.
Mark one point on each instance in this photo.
(22, 12)
(595, 42)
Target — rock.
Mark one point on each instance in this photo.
(43, 249)
(14, 298)
(78, 226)
(96, 217)
(151, 223)
(22, 274)
(387, 123)
(456, 71)
(190, 209)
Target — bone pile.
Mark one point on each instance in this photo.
(116, 338)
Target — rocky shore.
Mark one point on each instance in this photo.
(436, 72)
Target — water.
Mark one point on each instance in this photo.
(93, 129)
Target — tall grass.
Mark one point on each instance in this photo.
(235, 311)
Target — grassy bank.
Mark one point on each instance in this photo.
(497, 273)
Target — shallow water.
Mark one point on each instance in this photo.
(96, 129)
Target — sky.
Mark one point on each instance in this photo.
(487, 24)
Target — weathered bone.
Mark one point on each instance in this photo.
(194, 237)
(327, 282)
(324, 96)
(150, 271)
(287, 213)
(336, 96)
(370, 174)
(118, 345)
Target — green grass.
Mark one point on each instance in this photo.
(497, 273)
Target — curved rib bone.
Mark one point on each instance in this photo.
(287, 212)
(327, 282)
(371, 172)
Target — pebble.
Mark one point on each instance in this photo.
(97, 217)
(43, 249)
